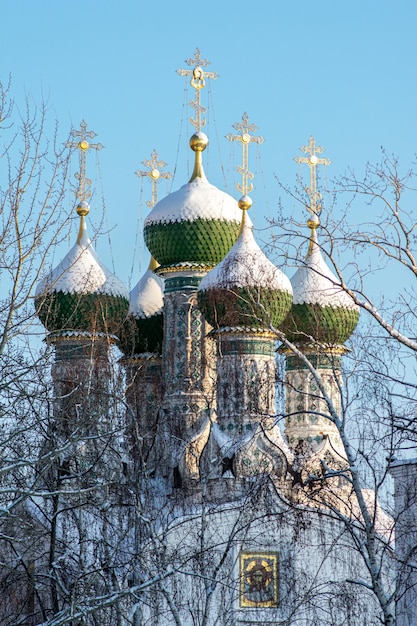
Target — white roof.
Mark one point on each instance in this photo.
(246, 266)
(147, 298)
(81, 271)
(198, 199)
(315, 283)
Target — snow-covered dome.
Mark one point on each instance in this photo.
(81, 294)
(322, 311)
(143, 328)
(245, 289)
(196, 224)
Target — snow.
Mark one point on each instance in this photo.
(80, 333)
(315, 283)
(384, 523)
(146, 299)
(198, 199)
(235, 329)
(230, 445)
(246, 266)
(81, 271)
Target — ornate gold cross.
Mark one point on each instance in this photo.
(198, 82)
(83, 193)
(154, 173)
(312, 161)
(245, 137)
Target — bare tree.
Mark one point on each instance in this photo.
(53, 493)
(91, 534)
(374, 262)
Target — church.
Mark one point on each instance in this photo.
(180, 489)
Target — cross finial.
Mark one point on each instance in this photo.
(83, 193)
(246, 137)
(312, 161)
(154, 173)
(198, 76)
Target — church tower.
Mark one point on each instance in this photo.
(141, 343)
(322, 318)
(188, 233)
(245, 298)
(82, 305)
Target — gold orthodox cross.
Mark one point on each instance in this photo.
(83, 193)
(198, 82)
(312, 161)
(246, 137)
(154, 173)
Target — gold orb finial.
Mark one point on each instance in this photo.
(83, 208)
(313, 222)
(199, 142)
(245, 203)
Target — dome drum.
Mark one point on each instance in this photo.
(245, 343)
(327, 359)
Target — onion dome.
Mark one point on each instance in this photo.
(143, 328)
(195, 225)
(80, 294)
(245, 289)
(322, 311)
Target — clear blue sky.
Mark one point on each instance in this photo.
(343, 71)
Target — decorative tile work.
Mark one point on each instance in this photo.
(200, 241)
(95, 312)
(331, 325)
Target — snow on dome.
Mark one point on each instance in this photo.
(245, 289)
(81, 294)
(196, 224)
(315, 283)
(82, 272)
(195, 200)
(146, 299)
(246, 266)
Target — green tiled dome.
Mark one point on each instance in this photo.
(81, 294)
(252, 307)
(322, 311)
(140, 336)
(92, 312)
(325, 324)
(202, 241)
(143, 330)
(245, 288)
(196, 224)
